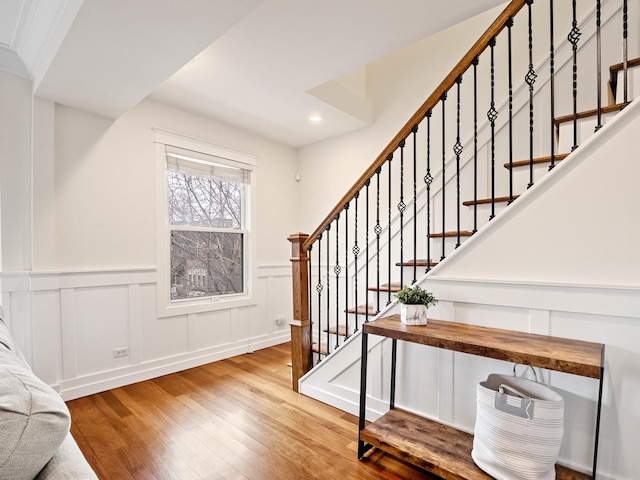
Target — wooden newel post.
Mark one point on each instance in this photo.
(300, 326)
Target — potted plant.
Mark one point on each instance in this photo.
(414, 302)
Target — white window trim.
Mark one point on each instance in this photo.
(165, 307)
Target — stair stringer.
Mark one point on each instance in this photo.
(336, 380)
(570, 219)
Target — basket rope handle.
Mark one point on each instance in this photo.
(535, 375)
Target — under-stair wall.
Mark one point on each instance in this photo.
(561, 261)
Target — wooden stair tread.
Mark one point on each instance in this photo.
(525, 163)
(484, 201)
(340, 330)
(432, 446)
(362, 310)
(417, 263)
(613, 75)
(453, 233)
(321, 349)
(617, 67)
(590, 113)
(393, 287)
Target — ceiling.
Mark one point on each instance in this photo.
(262, 65)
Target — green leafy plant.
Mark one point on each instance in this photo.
(415, 295)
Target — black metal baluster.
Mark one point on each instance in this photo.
(457, 149)
(443, 98)
(319, 289)
(574, 38)
(625, 47)
(356, 252)
(492, 114)
(389, 159)
(599, 64)
(401, 207)
(510, 75)
(428, 179)
(475, 144)
(346, 270)
(530, 79)
(366, 246)
(552, 90)
(414, 130)
(378, 231)
(336, 271)
(366, 260)
(328, 345)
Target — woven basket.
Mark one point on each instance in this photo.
(519, 428)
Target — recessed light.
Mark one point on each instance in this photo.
(315, 118)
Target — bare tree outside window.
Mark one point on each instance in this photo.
(207, 240)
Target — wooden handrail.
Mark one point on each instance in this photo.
(483, 42)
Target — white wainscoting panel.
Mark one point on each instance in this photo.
(442, 385)
(69, 323)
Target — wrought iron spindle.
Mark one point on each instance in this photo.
(319, 289)
(366, 244)
(414, 130)
(328, 344)
(492, 114)
(401, 208)
(336, 271)
(552, 89)
(443, 99)
(574, 38)
(625, 51)
(378, 230)
(599, 64)
(475, 144)
(346, 270)
(510, 75)
(530, 79)
(389, 159)
(428, 179)
(356, 252)
(457, 149)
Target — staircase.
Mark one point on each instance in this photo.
(502, 119)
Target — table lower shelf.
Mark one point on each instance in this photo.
(434, 447)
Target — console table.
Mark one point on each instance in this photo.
(444, 450)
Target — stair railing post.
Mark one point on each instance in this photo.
(300, 325)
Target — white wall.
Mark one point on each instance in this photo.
(105, 181)
(15, 171)
(93, 285)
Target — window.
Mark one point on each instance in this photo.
(206, 226)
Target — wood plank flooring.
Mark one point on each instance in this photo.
(233, 419)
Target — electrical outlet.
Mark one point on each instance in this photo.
(120, 352)
(279, 321)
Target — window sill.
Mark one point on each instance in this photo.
(209, 304)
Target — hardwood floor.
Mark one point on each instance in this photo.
(233, 419)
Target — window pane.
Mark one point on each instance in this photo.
(205, 264)
(204, 201)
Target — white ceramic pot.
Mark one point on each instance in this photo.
(413, 314)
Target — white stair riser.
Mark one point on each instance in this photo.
(585, 128)
(521, 176)
(483, 212)
(633, 80)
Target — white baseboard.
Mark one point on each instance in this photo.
(99, 382)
